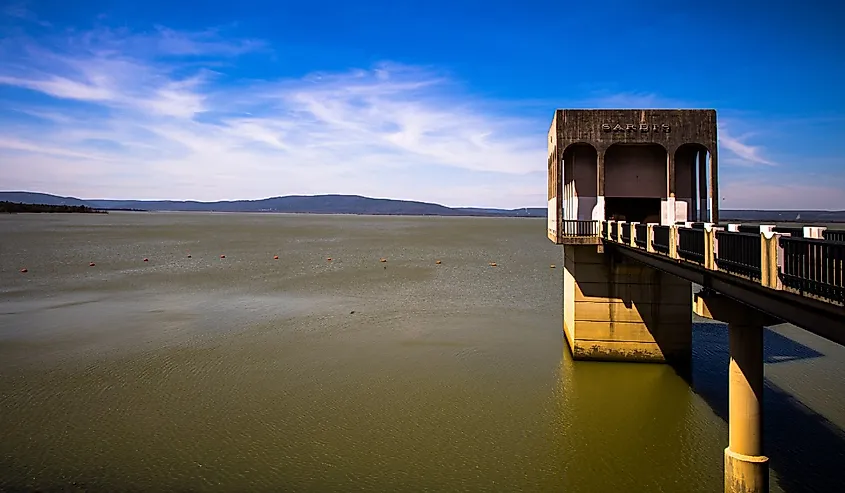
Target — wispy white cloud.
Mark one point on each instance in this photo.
(150, 115)
(741, 151)
(383, 131)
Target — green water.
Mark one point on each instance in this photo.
(253, 374)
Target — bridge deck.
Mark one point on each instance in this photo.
(791, 277)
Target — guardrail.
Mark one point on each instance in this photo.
(691, 244)
(641, 236)
(813, 266)
(661, 239)
(809, 261)
(834, 235)
(579, 229)
(739, 254)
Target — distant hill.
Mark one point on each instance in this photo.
(316, 204)
(40, 198)
(783, 216)
(355, 204)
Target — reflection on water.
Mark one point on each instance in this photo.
(249, 374)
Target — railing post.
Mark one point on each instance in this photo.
(619, 226)
(611, 227)
(649, 246)
(633, 242)
(709, 247)
(673, 242)
(732, 228)
(769, 260)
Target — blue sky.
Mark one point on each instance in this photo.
(447, 102)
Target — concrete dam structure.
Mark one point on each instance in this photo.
(633, 199)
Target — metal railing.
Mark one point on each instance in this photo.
(837, 235)
(691, 244)
(579, 229)
(809, 266)
(660, 239)
(641, 238)
(813, 266)
(739, 254)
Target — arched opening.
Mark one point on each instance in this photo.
(691, 181)
(580, 182)
(635, 182)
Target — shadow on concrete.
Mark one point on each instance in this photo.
(661, 303)
(805, 449)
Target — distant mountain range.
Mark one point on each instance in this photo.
(355, 204)
(316, 204)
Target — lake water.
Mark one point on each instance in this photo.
(254, 374)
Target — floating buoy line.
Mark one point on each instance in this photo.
(383, 260)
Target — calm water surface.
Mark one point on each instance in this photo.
(253, 374)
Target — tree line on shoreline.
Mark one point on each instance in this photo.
(16, 207)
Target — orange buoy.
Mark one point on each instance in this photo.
(146, 260)
(383, 260)
(275, 257)
(493, 264)
(222, 256)
(329, 259)
(437, 262)
(91, 264)
(24, 270)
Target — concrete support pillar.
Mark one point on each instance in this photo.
(702, 186)
(620, 310)
(746, 468)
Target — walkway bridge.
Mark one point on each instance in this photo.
(634, 202)
(790, 275)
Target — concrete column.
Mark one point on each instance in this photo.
(746, 468)
(714, 186)
(694, 198)
(670, 174)
(560, 200)
(600, 211)
(702, 186)
(567, 190)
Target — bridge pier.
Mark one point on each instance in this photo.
(746, 468)
(620, 310)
